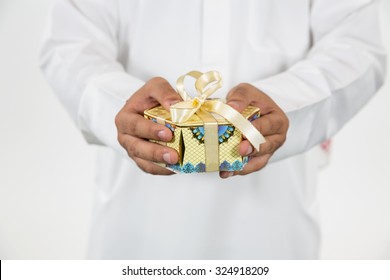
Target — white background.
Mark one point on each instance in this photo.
(46, 168)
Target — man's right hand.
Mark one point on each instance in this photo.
(134, 130)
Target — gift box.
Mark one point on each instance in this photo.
(189, 141)
(205, 132)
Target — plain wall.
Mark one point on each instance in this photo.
(47, 170)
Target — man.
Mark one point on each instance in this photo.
(309, 66)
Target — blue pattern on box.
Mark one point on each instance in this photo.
(201, 167)
(236, 165)
(224, 133)
(254, 117)
(172, 128)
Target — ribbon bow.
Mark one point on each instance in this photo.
(206, 84)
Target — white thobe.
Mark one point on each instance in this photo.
(320, 60)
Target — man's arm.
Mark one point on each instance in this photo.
(342, 71)
(79, 57)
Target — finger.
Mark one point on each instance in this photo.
(152, 168)
(245, 148)
(259, 159)
(254, 164)
(139, 102)
(139, 148)
(238, 98)
(225, 174)
(136, 125)
(155, 92)
(271, 144)
(269, 124)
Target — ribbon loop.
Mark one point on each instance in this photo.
(206, 84)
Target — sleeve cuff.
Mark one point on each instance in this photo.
(103, 98)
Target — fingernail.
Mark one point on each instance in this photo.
(162, 134)
(234, 105)
(167, 158)
(226, 174)
(250, 150)
(223, 174)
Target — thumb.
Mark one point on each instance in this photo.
(161, 91)
(238, 98)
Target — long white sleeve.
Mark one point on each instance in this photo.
(342, 71)
(79, 57)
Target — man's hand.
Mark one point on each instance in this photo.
(273, 124)
(134, 130)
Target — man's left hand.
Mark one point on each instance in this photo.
(273, 124)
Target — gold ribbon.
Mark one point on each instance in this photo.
(206, 84)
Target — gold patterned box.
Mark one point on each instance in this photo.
(189, 141)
